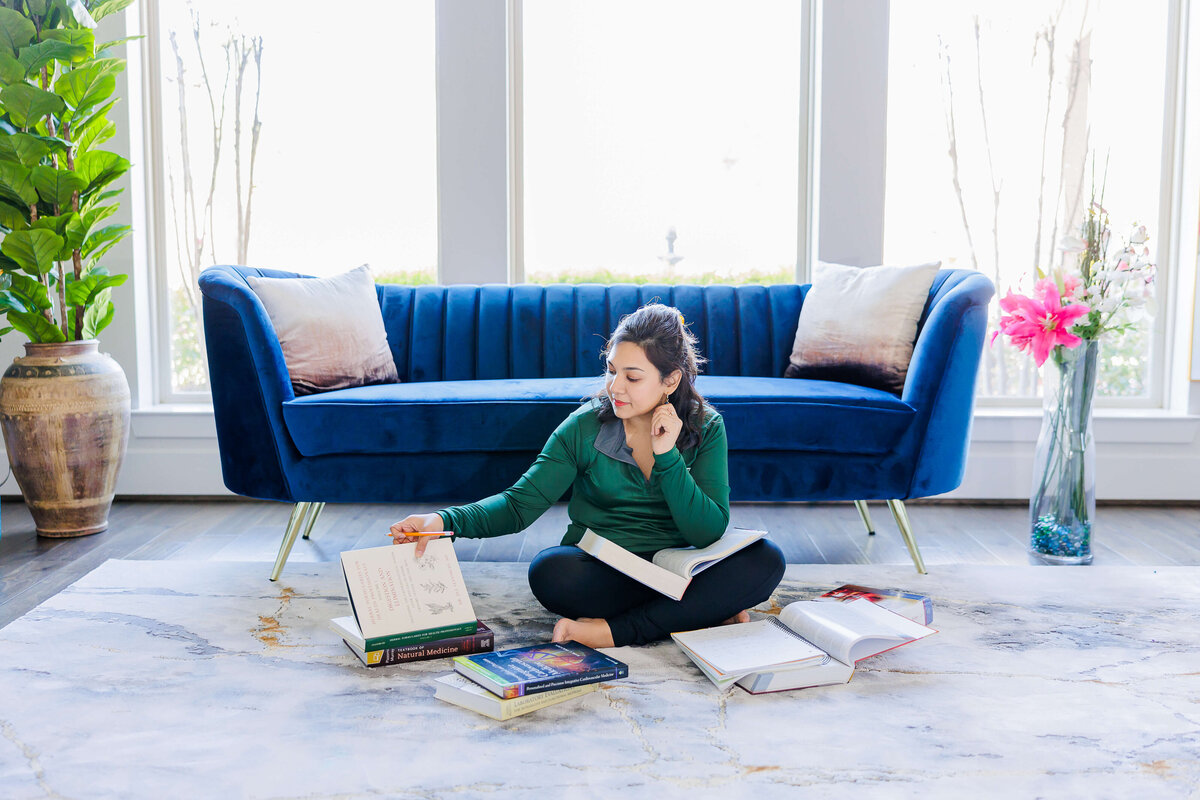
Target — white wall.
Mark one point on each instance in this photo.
(172, 450)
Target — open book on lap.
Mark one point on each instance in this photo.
(671, 570)
(811, 643)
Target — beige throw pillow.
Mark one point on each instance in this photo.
(859, 324)
(330, 329)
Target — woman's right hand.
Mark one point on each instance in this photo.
(402, 531)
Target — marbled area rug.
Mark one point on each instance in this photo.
(157, 678)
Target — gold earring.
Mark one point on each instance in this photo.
(665, 399)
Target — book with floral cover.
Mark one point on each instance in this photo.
(917, 607)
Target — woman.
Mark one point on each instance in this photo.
(647, 461)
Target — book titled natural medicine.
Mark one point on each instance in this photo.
(670, 571)
(810, 643)
(520, 671)
(399, 599)
(456, 689)
(481, 641)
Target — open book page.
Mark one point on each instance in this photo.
(851, 631)
(689, 561)
(751, 646)
(392, 591)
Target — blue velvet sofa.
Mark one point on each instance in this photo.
(487, 372)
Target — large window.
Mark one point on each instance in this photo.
(661, 140)
(278, 151)
(996, 114)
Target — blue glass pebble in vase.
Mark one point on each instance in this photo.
(1062, 504)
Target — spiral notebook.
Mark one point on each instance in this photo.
(806, 634)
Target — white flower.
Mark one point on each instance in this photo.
(1109, 304)
(1139, 236)
(1072, 244)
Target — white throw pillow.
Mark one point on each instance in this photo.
(330, 329)
(859, 324)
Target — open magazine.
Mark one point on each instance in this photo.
(810, 643)
(672, 569)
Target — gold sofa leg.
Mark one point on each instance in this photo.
(901, 516)
(861, 505)
(300, 515)
(316, 510)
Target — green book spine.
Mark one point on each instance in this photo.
(417, 637)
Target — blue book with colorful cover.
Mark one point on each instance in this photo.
(519, 671)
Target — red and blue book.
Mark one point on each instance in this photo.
(521, 671)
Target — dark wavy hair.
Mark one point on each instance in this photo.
(668, 344)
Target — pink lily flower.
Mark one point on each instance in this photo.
(1040, 323)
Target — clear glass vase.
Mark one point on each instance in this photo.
(1062, 504)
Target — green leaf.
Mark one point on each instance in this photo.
(96, 318)
(75, 231)
(116, 42)
(95, 214)
(99, 168)
(11, 70)
(90, 84)
(103, 9)
(12, 217)
(38, 8)
(87, 289)
(83, 17)
(25, 148)
(15, 31)
(15, 183)
(95, 134)
(94, 199)
(10, 302)
(79, 127)
(56, 186)
(36, 56)
(26, 104)
(34, 249)
(31, 292)
(36, 327)
(109, 235)
(77, 37)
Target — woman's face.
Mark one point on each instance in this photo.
(634, 385)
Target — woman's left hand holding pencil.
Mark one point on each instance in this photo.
(419, 528)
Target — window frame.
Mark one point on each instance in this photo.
(807, 179)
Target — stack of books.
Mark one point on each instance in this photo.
(406, 608)
(400, 649)
(508, 683)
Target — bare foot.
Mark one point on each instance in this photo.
(585, 630)
(741, 616)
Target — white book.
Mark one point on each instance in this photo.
(671, 570)
(399, 599)
(456, 689)
(811, 643)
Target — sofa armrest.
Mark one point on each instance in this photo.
(941, 380)
(249, 382)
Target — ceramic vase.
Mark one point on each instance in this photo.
(64, 410)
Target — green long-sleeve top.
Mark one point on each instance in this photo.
(684, 502)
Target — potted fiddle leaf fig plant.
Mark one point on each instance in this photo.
(64, 406)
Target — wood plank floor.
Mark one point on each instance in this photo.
(33, 569)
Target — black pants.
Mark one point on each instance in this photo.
(573, 584)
